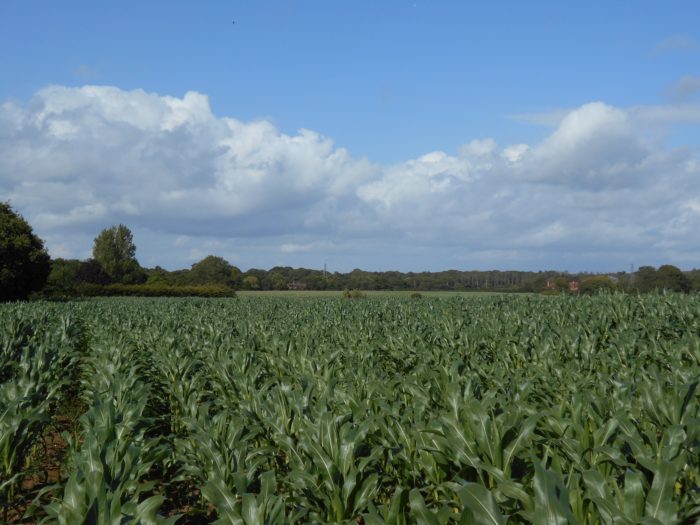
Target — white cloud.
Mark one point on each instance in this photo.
(478, 148)
(600, 189)
(515, 152)
(651, 115)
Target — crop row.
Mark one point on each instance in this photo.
(382, 411)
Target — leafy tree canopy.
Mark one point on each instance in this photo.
(63, 276)
(211, 270)
(91, 272)
(24, 262)
(670, 277)
(115, 251)
(597, 283)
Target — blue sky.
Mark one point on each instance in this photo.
(529, 135)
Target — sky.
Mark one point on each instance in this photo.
(393, 135)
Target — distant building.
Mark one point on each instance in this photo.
(295, 285)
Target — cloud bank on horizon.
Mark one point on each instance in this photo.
(604, 189)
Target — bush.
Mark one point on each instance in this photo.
(354, 294)
(416, 295)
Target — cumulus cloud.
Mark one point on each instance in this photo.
(596, 183)
(651, 115)
(601, 188)
(163, 162)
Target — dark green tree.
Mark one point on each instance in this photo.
(250, 282)
(211, 270)
(645, 279)
(669, 277)
(115, 251)
(63, 277)
(278, 281)
(24, 262)
(236, 276)
(160, 277)
(91, 272)
(694, 277)
(561, 283)
(261, 281)
(597, 283)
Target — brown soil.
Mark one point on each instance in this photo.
(48, 469)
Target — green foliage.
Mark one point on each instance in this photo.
(91, 272)
(107, 481)
(278, 281)
(597, 284)
(354, 294)
(115, 251)
(154, 290)
(36, 352)
(667, 277)
(506, 409)
(251, 282)
(24, 263)
(211, 270)
(694, 278)
(63, 277)
(673, 279)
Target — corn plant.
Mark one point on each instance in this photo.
(498, 410)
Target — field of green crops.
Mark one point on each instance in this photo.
(271, 410)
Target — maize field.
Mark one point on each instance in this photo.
(378, 411)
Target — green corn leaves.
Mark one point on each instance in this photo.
(487, 410)
(480, 506)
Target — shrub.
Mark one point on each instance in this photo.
(354, 294)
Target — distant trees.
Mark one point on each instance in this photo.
(115, 251)
(236, 276)
(114, 263)
(250, 282)
(63, 276)
(645, 279)
(694, 277)
(24, 262)
(212, 270)
(91, 272)
(597, 283)
(667, 277)
(277, 280)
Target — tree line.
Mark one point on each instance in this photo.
(26, 268)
